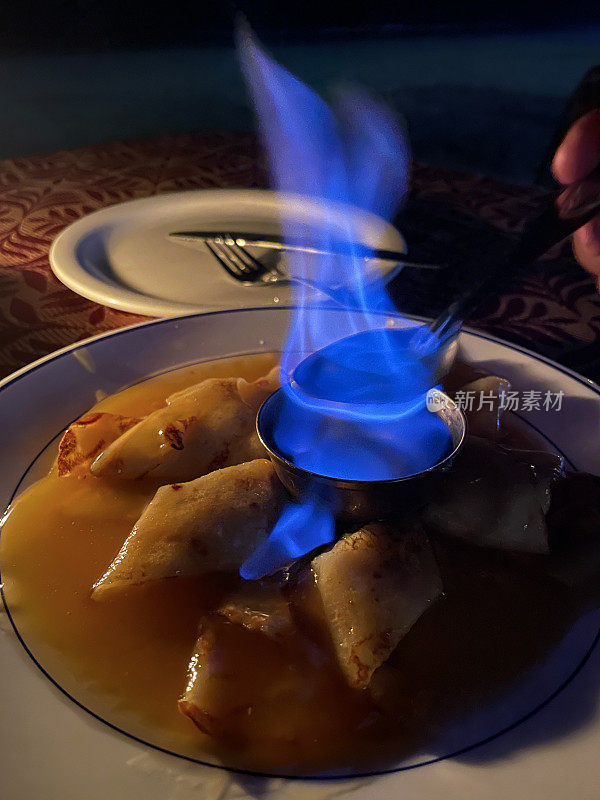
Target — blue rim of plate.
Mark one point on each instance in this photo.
(256, 773)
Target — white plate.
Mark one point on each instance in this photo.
(122, 256)
(542, 741)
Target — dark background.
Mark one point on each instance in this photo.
(481, 85)
(76, 25)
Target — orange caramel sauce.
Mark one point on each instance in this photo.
(126, 658)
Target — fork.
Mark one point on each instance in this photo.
(241, 264)
(279, 243)
(248, 270)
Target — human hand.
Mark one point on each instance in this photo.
(576, 157)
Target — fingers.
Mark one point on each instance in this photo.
(579, 151)
(586, 245)
(576, 157)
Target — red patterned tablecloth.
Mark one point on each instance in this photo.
(556, 311)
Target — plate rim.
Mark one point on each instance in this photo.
(55, 354)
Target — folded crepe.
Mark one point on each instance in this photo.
(374, 586)
(260, 606)
(207, 525)
(86, 438)
(197, 702)
(483, 406)
(231, 690)
(203, 428)
(497, 497)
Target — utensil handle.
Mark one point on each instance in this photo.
(561, 216)
(274, 242)
(353, 249)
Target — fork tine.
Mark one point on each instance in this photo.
(234, 262)
(238, 262)
(253, 263)
(225, 246)
(225, 263)
(271, 270)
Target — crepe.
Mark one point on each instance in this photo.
(497, 497)
(231, 690)
(195, 701)
(203, 428)
(484, 413)
(260, 606)
(210, 524)
(86, 438)
(374, 586)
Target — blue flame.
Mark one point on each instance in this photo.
(356, 390)
(343, 447)
(357, 156)
(301, 527)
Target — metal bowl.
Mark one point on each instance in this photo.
(357, 500)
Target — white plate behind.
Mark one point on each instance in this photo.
(122, 256)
